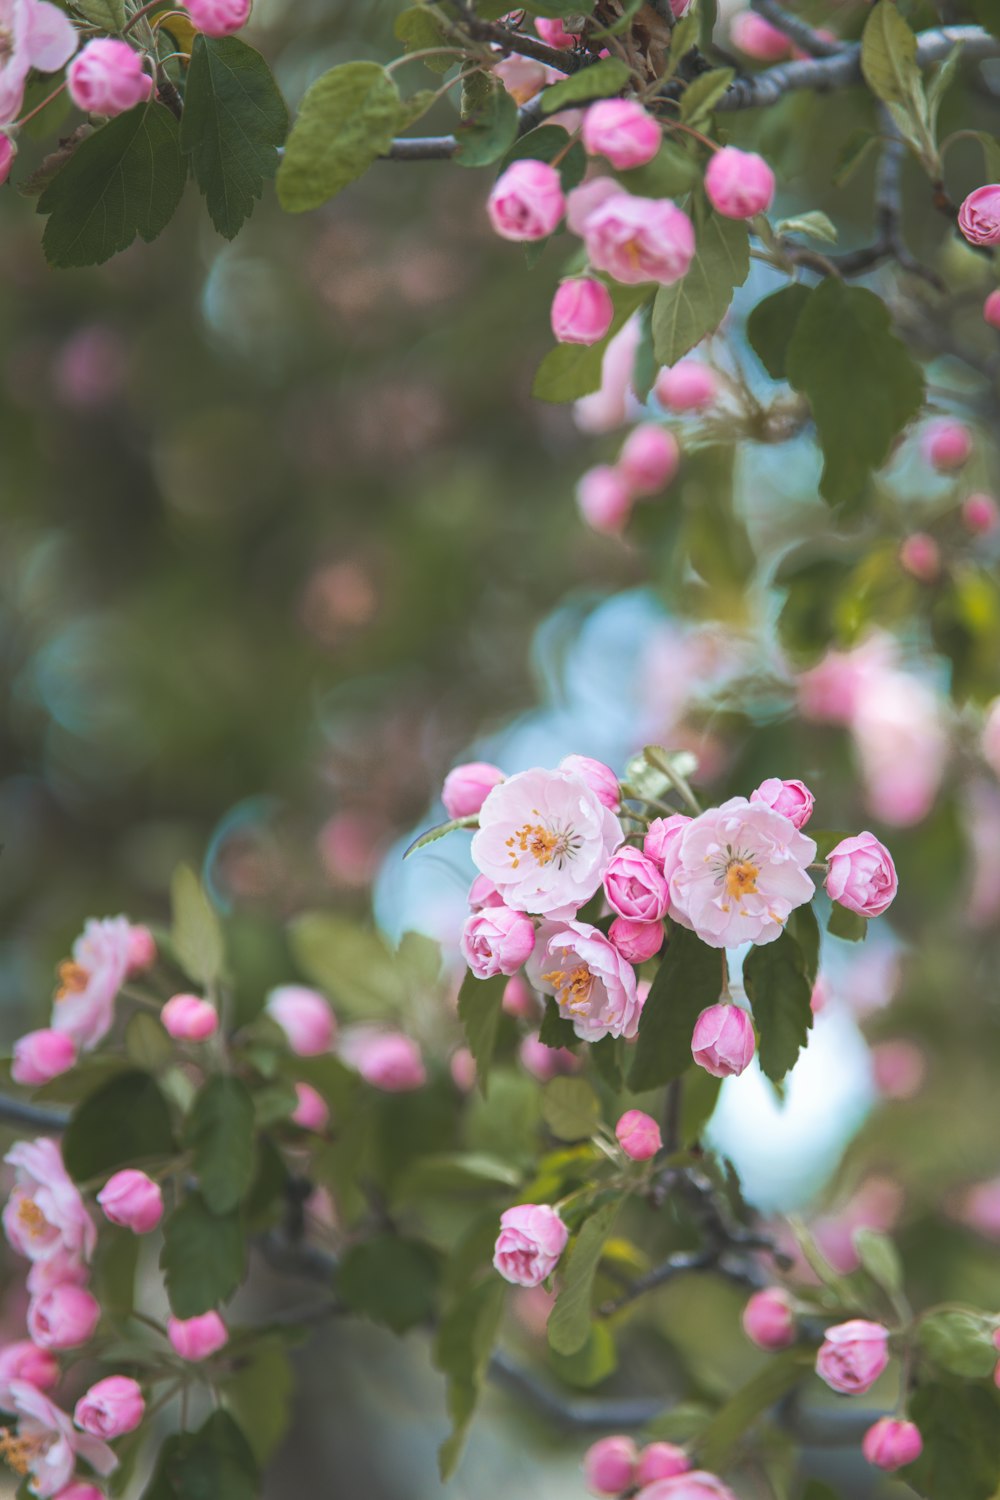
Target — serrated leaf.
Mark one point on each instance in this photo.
(490, 131)
(203, 1257)
(605, 78)
(479, 1010)
(570, 1321)
(439, 831)
(695, 306)
(771, 325)
(220, 1135)
(670, 173)
(125, 1121)
(214, 1463)
(880, 1258)
(196, 933)
(346, 121)
(124, 180)
(777, 987)
(570, 1109)
(703, 94)
(688, 980)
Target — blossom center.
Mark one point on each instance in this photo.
(741, 878)
(33, 1220)
(19, 1453)
(542, 844)
(73, 978)
(572, 986)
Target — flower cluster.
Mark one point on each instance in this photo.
(659, 1471)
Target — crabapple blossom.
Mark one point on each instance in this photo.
(545, 1063)
(497, 941)
(218, 17)
(90, 980)
(622, 131)
(946, 444)
(661, 843)
(527, 201)
(981, 514)
(758, 38)
(467, 787)
(723, 1041)
(853, 1355)
(582, 310)
(40, 1056)
(483, 893)
(635, 887)
(553, 32)
(768, 1319)
(522, 77)
(830, 692)
(311, 1111)
(518, 999)
(387, 1060)
(189, 1018)
(604, 499)
(80, 1490)
(107, 78)
(861, 875)
(593, 985)
(639, 239)
(697, 1484)
(636, 941)
(608, 407)
(891, 1443)
(63, 1269)
(600, 778)
(47, 1443)
(305, 1017)
(739, 184)
(36, 35)
(979, 215)
(991, 308)
(25, 1361)
(661, 1461)
(7, 153)
(792, 799)
(195, 1339)
(638, 1135)
(584, 200)
(63, 1317)
(532, 1238)
(899, 1068)
(649, 459)
(990, 736)
(920, 556)
(132, 1200)
(609, 1465)
(111, 1407)
(45, 1215)
(688, 386)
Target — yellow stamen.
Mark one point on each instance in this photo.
(741, 879)
(573, 988)
(18, 1452)
(73, 978)
(31, 1217)
(541, 843)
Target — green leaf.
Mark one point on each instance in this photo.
(849, 925)
(418, 30)
(880, 1258)
(804, 929)
(196, 934)
(851, 154)
(147, 1045)
(716, 1443)
(490, 131)
(393, 1281)
(461, 1352)
(479, 1010)
(592, 1363)
(960, 1343)
(555, 1030)
(698, 1101)
(689, 979)
(234, 121)
(889, 55)
(569, 1321)
(220, 1134)
(439, 831)
(125, 1121)
(124, 180)
(695, 306)
(259, 1395)
(107, 15)
(570, 1109)
(558, 7)
(350, 962)
(214, 1463)
(346, 121)
(703, 94)
(961, 1434)
(815, 223)
(771, 325)
(606, 1058)
(940, 82)
(203, 1257)
(779, 991)
(670, 173)
(570, 371)
(114, 1271)
(607, 77)
(862, 383)
(545, 142)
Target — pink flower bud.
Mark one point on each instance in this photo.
(739, 184)
(689, 386)
(649, 459)
(991, 309)
(635, 887)
(600, 778)
(554, 33)
(946, 444)
(638, 1135)
(132, 1200)
(990, 739)
(899, 1067)
(42, 1055)
(25, 1361)
(110, 1408)
(723, 1040)
(892, 1444)
(467, 787)
(483, 893)
(768, 1320)
(604, 498)
(661, 1461)
(693, 1484)
(305, 1018)
(920, 556)
(527, 201)
(981, 513)
(532, 1237)
(107, 77)
(188, 1018)
(7, 153)
(80, 1490)
(979, 216)
(758, 38)
(582, 201)
(545, 1063)
(497, 941)
(141, 949)
(609, 1465)
(636, 941)
(63, 1317)
(861, 875)
(311, 1112)
(662, 841)
(621, 130)
(522, 77)
(387, 1060)
(462, 1068)
(639, 239)
(853, 1356)
(582, 310)
(196, 1338)
(792, 799)
(519, 999)
(218, 17)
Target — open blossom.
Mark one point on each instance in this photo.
(36, 35)
(622, 131)
(594, 987)
(545, 839)
(467, 787)
(47, 1444)
(861, 875)
(63, 1269)
(635, 887)
(792, 799)
(639, 239)
(853, 1356)
(64, 1317)
(527, 201)
(107, 77)
(532, 1237)
(483, 893)
(497, 941)
(892, 1444)
(609, 1465)
(739, 184)
(25, 1361)
(979, 216)
(111, 1407)
(723, 1041)
(90, 980)
(42, 1055)
(45, 1215)
(741, 871)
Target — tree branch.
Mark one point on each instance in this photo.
(526, 46)
(35, 1116)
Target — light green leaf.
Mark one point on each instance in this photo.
(214, 1463)
(689, 979)
(259, 1395)
(570, 1109)
(196, 934)
(775, 980)
(880, 1259)
(203, 1257)
(716, 1443)
(695, 306)
(815, 223)
(479, 1010)
(438, 832)
(592, 1363)
(960, 1343)
(220, 1134)
(889, 55)
(961, 1457)
(569, 1321)
(461, 1352)
(108, 15)
(490, 130)
(346, 121)
(671, 173)
(607, 77)
(940, 82)
(703, 94)
(350, 962)
(419, 29)
(570, 371)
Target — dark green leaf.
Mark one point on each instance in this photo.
(461, 1352)
(609, 76)
(345, 122)
(670, 173)
(545, 142)
(960, 1343)
(220, 1134)
(114, 1271)
(780, 993)
(555, 1030)
(771, 325)
(124, 1121)
(490, 131)
(803, 928)
(845, 924)
(689, 979)
(259, 1395)
(569, 1321)
(196, 934)
(698, 1100)
(605, 1055)
(391, 1280)
(960, 1426)
(214, 1463)
(716, 1443)
(203, 1257)
(695, 306)
(570, 1109)
(479, 1010)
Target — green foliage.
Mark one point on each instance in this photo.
(347, 120)
(959, 1343)
(489, 130)
(780, 990)
(462, 1349)
(716, 1443)
(698, 1100)
(214, 1463)
(234, 121)
(609, 76)
(694, 306)
(391, 1280)
(354, 966)
(593, 1362)
(880, 1258)
(419, 30)
(219, 1133)
(559, 7)
(771, 324)
(961, 1436)
(889, 55)
(546, 142)
(688, 980)
(203, 1257)
(108, 15)
(671, 172)
(480, 1012)
(845, 924)
(259, 1394)
(570, 1109)
(703, 94)
(114, 1272)
(124, 1122)
(124, 180)
(196, 934)
(572, 370)
(569, 1322)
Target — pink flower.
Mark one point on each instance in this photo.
(108, 78)
(527, 201)
(483, 893)
(467, 787)
(49, 1444)
(899, 1067)
(64, 1317)
(110, 1408)
(311, 1112)
(45, 1215)
(741, 871)
(582, 201)
(853, 1356)
(7, 153)
(545, 1063)
(991, 308)
(902, 743)
(689, 386)
(661, 1461)
(36, 35)
(981, 513)
(920, 556)
(522, 77)
(792, 799)
(892, 1444)
(132, 1200)
(604, 499)
(979, 216)
(649, 459)
(636, 941)
(639, 239)
(555, 33)
(609, 1465)
(758, 38)
(723, 1041)
(25, 1361)
(497, 941)
(739, 184)
(662, 842)
(600, 778)
(80, 1490)
(462, 1068)
(946, 444)
(829, 693)
(582, 310)
(861, 875)
(768, 1319)
(141, 949)
(545, 839)
(218, 17)
(387, 1060)
(63, 1269)
(89, 982)
(518, 999)
(635, 887)
(696, 1485)
(989, 741)
(638, 1135)
(532, 1237)
(195, 1339)
(593, 985)
(42, 1055)
(621, 130)
(188, 1018)
(607, 408)
(305, 1018)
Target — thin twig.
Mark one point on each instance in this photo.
(36, 1116)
